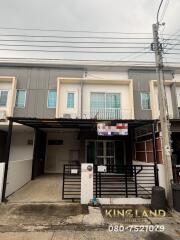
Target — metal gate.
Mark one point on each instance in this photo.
(71, 182)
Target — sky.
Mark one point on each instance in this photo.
(133, 16)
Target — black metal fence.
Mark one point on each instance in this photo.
(112, 181)
(124, 181)
(176, 173)
(71, 182)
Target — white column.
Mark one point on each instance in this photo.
(2, 167)
(86, 182)
(162, 175)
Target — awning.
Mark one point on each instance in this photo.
(73, 123)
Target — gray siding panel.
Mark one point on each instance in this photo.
(37, 81)
(141, 79)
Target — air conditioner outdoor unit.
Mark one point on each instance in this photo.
(2, 115)
(66, 115)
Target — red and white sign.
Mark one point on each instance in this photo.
(106, 130)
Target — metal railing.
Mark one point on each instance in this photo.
(125, 181)
(101, 114)
(110, 113)
(71, 182)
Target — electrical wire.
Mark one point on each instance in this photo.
(76, 37)
(71, 51)
(65, 46)
(70, 31)
(70, 42)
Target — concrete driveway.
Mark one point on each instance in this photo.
(46, 188)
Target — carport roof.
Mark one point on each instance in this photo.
(72, 123)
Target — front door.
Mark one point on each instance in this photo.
(105, 153)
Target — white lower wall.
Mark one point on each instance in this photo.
(19, 173)
(20, 160)
(127, 201)
(2, 167)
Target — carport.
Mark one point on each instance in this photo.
(48, 187)
(45, 187)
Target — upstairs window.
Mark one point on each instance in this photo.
(145, 101)
(20, 98)
(70, 100)
(105, 105)
(3, 98)
(52, 98)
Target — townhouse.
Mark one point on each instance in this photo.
(52, 115)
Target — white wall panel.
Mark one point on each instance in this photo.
(20, 161)
(19, 173)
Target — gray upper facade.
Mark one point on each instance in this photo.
(37, 80)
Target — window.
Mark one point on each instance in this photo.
(70, 100)
(106, 105)
(112, 100)
(3, 98)
(52, 99)
(21, 98)
(145, 101)
(105, 100)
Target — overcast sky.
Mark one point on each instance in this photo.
(95, 15)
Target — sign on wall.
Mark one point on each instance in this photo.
(119, 129)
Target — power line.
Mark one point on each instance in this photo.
(71, 42)
(80, 31)
(85, 60)
(76, 37)
(80, 60)
(72, 51)
(82, 37)
(65, 46)
(70, 31)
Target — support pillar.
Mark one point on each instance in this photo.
(86, 182)
(7, 152)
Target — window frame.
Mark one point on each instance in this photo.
(70, 92)
(48, 98)
(24, 98)
(4, 90)
(142, 108)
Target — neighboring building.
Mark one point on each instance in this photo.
(59, 107)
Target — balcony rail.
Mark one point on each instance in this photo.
(106, 113)
(102, 114)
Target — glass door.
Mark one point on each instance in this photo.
(105, 153)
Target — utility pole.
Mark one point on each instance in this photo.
(164, 119)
